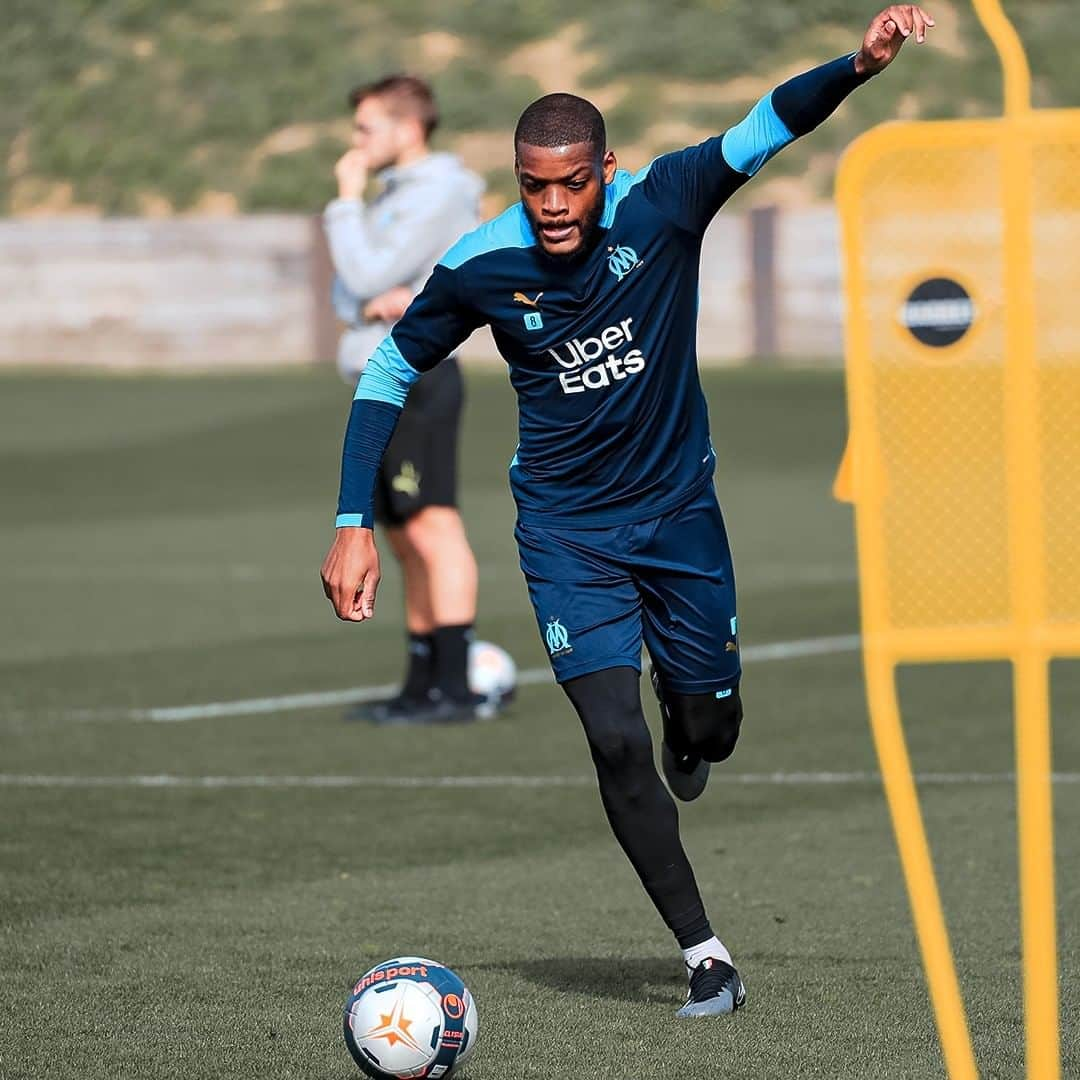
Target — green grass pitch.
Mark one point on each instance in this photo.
(159, 545)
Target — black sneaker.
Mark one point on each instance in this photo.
(402, 711)
(686, 774)
(715, 990)
(448, 710)
(436, 708)
(364, 710)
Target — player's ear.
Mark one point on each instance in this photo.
(416, 132)
(609, 165)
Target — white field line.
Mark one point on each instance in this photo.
(159, 573)
(760, 577)
(780, 650)
(831, 779)
(357, 695)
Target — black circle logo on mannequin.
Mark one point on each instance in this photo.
(938, 312)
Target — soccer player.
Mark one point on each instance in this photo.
(590, 284)
(383, 251)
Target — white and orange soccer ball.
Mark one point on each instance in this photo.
(410, 1018)
(492, 674)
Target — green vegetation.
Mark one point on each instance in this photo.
(132, 105)
(212, 931)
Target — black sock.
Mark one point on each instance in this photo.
(450, 662)
(418, 673)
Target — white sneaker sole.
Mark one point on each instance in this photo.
(723, 1005)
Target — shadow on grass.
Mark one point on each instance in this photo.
(354, 1073)
(651, 980)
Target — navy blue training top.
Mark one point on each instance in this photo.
(613, 425)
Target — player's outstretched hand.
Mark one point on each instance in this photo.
(350, 574)
(887, 33)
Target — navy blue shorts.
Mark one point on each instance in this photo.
(599, 593)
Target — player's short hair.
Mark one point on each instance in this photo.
(403, 95)
(561, 120)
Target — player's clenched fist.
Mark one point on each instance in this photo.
(887, 32)
(350, 574)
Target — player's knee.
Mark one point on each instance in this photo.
(709, 723)
(609, 705)
(421, 534)
(430, 529)
(619, 752)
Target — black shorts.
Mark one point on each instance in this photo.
(420, 465)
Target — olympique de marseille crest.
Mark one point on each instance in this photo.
(622, 260)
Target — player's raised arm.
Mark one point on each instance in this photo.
(691, 185)
(434, 325)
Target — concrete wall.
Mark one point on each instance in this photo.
(195, 294)
(157, 294)
(726, 314)
(807, 284)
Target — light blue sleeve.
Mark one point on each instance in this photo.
(756, 138)
(388, 376)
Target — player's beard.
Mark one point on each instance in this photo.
(589, 227)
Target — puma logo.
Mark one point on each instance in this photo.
(407, 482)
(521, 298)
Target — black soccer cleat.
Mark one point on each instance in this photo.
(686, 774)
(392, 710)
(403, 711)
(715, 990)
(444, 709)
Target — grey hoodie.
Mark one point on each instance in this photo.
(395, 239)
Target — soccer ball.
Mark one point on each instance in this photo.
(492, 673)
(410, 1017)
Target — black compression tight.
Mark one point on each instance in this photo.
(641, 812)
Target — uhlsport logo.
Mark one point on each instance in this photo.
(584, 368)
(621, 260)
(558, 640)
(939, 312)
(389, 974)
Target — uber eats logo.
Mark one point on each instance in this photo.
(586, 365)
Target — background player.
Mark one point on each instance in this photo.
(382, 252)
(590, 286)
